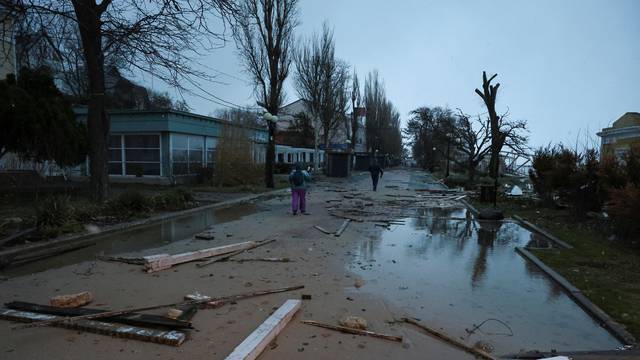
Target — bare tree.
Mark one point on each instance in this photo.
(265, 41)
(473, 141)
(154, 36)
(488, 94)
(356, 99)
(321, 80)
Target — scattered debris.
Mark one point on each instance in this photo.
(349, 330)
(449, 339)
(174, 313)
(72, 300)
(238, 252)
(353, 322)
(172, 337)
(477, 327)
(205, 235)
(272, 259)
(260, 338)
(306, 297)
(165, 261)
(358, 283)
(131, 319)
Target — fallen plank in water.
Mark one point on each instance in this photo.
(342, 227)
(258, 340)
(131, 319)
(165, 261)
(322, 229)
(173, 337)
(238, 252)
(353, 331)
(449, 339)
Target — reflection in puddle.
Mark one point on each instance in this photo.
(453, 274)
(144, 239)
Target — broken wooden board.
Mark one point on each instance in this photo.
(211, 302)
(354, 331)
(342, 227)
(159, 262)
(173, 337)
(258, 340)
(322, 229)
(131, 319)
(126, 260)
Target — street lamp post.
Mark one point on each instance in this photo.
(448, 152)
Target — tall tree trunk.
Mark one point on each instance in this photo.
(271, 154)
(88, 14)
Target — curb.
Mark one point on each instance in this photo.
(8, 256)
(616, 329)
(542, 232)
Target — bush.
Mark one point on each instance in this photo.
(174, 199)
(624, 210)
(54, 211)
(128, 203)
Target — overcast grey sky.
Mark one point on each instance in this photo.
(567, 67)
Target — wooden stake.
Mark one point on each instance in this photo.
(342, 227)
(449, 339)
(349, 330)
(227, 257)
(258, 340)
(152, 307)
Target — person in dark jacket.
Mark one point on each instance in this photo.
(298, 180)
(376, 173)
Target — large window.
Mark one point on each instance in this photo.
(210, 145)
(134, 155)
(188, 153)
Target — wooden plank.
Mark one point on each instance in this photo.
(322, 229)
(227, 257)
(131, 319)
(342, 227)
(172, 337)
(353, 331)
(165, 261)
(258, 340)
(107, 314)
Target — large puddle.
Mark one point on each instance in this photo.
(452, 272)
(143, 240)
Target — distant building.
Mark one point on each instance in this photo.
(7, 45)
(623, 133)
(163, 146)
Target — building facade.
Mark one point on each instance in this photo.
(621, 136)
(167, 145)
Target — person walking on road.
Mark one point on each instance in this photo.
(298, 180)
(376, 173)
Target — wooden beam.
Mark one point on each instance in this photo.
(213, 302)
(131, 319)
(173, 337)
(165, 261)
(258, 340)
(342, 227)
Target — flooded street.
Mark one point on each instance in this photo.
(453, 274)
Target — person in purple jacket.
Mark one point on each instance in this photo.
(298, 180)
